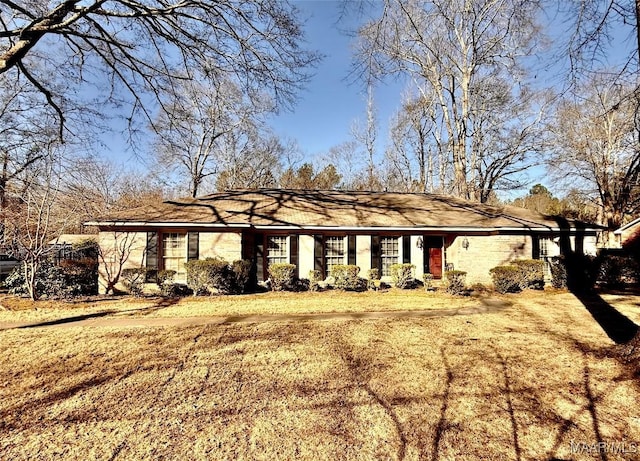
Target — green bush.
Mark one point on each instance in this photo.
(428, 281)
(49, 280)
(374, 277)
(164, 280)
(456, 282)
(506, 279)
(402, 275)
(346, 276)
(531, 273)
(315, 276)
(211, 275)
(241, 270)
(281, 276)
(133, 279)
(558, 272)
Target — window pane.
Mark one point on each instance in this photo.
(277, 250)
(174, 252)
(334, 252)
(389, 253)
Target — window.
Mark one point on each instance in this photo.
(334, 252)
(277, 250)
(174, 253)
(389, 253)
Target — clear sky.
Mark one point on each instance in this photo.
(332, 101)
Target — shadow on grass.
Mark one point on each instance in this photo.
(163, 303)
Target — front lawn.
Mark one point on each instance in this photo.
(538, 380)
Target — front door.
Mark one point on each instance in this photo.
(433, 256)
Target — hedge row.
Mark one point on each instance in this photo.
(518, 276)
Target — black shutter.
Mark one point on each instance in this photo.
(193, 245)
(293, 254)
(351, 249)
(151, 260)
(535, 246)
(406, 249)
(376, 262)
(260, 257)
(318, 253)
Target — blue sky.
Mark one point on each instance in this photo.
(332, 101)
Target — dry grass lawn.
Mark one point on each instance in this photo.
(529, 382)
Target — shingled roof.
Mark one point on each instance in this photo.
(306, 209)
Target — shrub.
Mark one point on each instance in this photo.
(374, 277)
(315, 276)
(80, 276)
(428, 281)
(49, 280)
(281, 276)
(455, 282)
(506, 279)
(402, 275)
(241, 270)
(133, 279)
(211, 275)
(346, 276)
(530, 273)
(558, 272)
(164, 280)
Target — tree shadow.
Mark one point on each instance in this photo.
(580, 281)
(163, 303)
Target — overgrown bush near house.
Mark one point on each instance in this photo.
(164, 280)
(456, 282)
(133, 279)
(402, 275)
(617, 270)
(558, 272)
(211, 275)
(506, 279)
(281, 276)
(80, 276)
(49, 280)
(427, 279)
(374, 279)
(346, 276)
(241, 270)
(531, 273)
(315, 276)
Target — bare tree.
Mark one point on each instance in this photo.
(596, 147)
(211, 127)
(140, 48)
(306, 178)
(366, 136)
(36, 220)
(114, 252)
(452, 49)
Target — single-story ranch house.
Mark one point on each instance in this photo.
(316, 230)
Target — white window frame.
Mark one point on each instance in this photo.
(174, 253)
(334, 255)
(277, 249)
(388, 259)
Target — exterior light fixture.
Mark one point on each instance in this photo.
(465, 243)
(419, 243)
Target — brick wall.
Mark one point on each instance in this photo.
(114, 244)
(225, 245)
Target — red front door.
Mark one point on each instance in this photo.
(433, 256)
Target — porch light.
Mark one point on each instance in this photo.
(419, 243)
(465, 243)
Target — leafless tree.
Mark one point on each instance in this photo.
(114, 252)
(452, 49)
(211, 127)
(596, 146)
(141, 48)
(306, 178)
(36, 220)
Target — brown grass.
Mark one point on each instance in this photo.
(522, 383)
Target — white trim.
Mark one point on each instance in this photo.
(627, 226)
(162, 224)
(341, 228)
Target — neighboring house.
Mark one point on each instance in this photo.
(627, 234)
(318, 229)
(69, 246)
